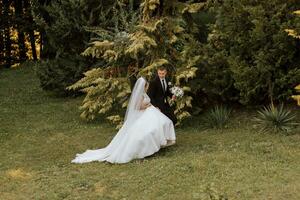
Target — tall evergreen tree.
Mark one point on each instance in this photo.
(162, 37)
(262, 60)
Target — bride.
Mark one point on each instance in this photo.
(144, 132)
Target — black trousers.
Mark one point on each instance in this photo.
(169, 112)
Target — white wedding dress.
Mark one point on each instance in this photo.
(143, 133)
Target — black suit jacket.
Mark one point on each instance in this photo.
(159, 97)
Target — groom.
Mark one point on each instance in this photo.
(159, 91)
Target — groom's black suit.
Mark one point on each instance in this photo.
(159, 97)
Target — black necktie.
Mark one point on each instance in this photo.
(164, 86)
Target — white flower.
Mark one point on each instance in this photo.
(177, 91)
(169, 83)
(122, 34)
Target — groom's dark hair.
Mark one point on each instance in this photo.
(162, 68)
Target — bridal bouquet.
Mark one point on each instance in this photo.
(177, 91)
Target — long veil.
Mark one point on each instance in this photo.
(133, 109)
(133, 112)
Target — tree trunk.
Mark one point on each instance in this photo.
(1, 35)
(32, 44)
(1, 48)
(161, 8)
(31, 29)
(42, 44)
(20, 28)
(7, 40)
(43, 38)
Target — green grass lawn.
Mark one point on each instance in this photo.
(40, 135)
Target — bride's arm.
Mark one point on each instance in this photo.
(144, 105)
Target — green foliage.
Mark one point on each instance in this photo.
(275, 119)
(106, 86)
(61, 64)
(253, 49)
(296, 26)
(295, 33)
(217, 117)
(215, 79)
(63, 23)
(56, 74)
(163, 36)
(68, 27)
(102, 94)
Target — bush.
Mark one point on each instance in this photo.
(56, 74)
(253, 50)
(217, 117)
(275, 119)
(66, 25)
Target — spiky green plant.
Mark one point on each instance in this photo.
(217, 117)
(275, 119)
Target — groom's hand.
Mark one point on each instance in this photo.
(173, 97)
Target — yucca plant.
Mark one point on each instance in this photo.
(275, 119)
(217, 117)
